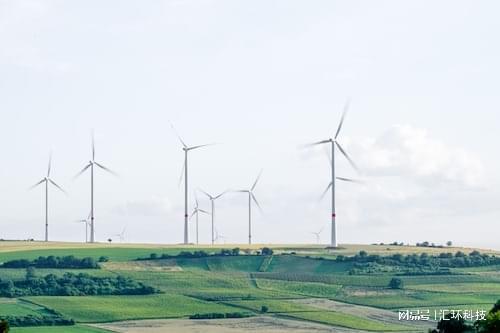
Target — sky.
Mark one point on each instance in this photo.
(261, 79)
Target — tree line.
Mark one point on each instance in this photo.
(53, 262)
(71, 284)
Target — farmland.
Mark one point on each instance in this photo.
(298, 287)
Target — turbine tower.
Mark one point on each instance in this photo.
(251, 197)
(196, 211)
(212, 201)
(47, 180)
(91, 165)
(335, 144)
(186, 149)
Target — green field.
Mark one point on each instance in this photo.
(94, 309)
(245, 283)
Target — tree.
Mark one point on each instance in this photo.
(396, 283)
(4, 326)
(264, 309)
(492, 322)
(449, 243)
(267, 251)
(452, 325)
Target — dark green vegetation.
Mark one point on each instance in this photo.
(452, 324)
(414, 264)
(72, 285)
(280, 282)
(52, 262)
(221, 315)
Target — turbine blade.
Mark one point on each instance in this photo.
(317, 143)
(182, 173)
(325, 191)
(178, 136)
(106, 169)
(93, 146)
(59, 187)
(192, 214)
(83, 170)
(220, 195)
(256, 181)
(346, 107)
(347, 156)
(40, 182)
(199, 146)
(208, 195)
(256, 202)
(50, 164)
(196, 199)
(203, 211)
(350, 180)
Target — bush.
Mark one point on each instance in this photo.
(264, 309)
(396, 283)
(4, 326)
(216, 315)
(103, 259)
(266, 251)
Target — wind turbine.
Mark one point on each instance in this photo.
(121, 235)
(196, 211)
(87, 223)
(91, 165)
(186, 149)
(212, 201)
(219, 236)
(334, 143)
(47, 180)
(317, 234)
(251, 197)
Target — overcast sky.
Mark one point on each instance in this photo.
(261, 78)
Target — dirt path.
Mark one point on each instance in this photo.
(364, 311)
(245, 325)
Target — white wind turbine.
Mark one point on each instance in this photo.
(212, 202)
(87, 224)
(121, 235)
(91, 165)
(334, 143)
(251, 197)
(186, 149)
(219, 236)
(47, 180)
(318, 235)
(196, 211)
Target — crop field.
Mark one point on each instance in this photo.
(297, 289)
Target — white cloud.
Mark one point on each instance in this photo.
(410, 152)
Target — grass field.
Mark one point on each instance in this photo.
(94, 309)
(287, 284)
